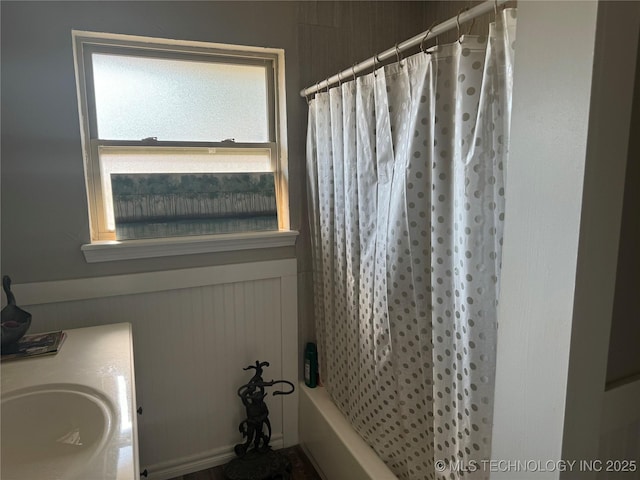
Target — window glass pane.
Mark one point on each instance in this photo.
(175, 160)
(180, 100)
(155, 205)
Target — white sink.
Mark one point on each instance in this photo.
(71, 416)
(55, 428)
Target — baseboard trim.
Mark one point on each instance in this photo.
(199, 462)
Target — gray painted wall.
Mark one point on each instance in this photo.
(43, 199)
(44, 219)
(44, 207)
(624, 342)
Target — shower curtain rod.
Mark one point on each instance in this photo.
(400, 47)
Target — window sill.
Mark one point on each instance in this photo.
(107, 251)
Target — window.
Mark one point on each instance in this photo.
(180, 138)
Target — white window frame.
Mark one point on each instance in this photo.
(103, 245)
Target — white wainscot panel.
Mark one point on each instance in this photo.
(190, 346)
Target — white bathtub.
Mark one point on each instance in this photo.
(335, 449)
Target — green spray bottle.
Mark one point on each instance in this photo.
(311, 365)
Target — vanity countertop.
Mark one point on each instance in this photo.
(96, 359)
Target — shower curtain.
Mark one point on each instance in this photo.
(406, 170)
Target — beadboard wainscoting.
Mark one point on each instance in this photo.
(193, 330)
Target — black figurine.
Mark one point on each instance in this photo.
(15, 322)
(252, 395)
(259, 462)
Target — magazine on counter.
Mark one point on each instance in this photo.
(34, 345)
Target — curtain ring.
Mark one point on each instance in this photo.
(398, 56)
(422, 49)
(353, 70)
(473, 21)
(339, 80)
(458, 23)
(375, 59)
(327, 80)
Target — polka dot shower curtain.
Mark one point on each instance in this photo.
(406, 171)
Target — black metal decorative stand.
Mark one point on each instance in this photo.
(258, 462)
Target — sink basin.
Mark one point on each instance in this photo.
(53, 431)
